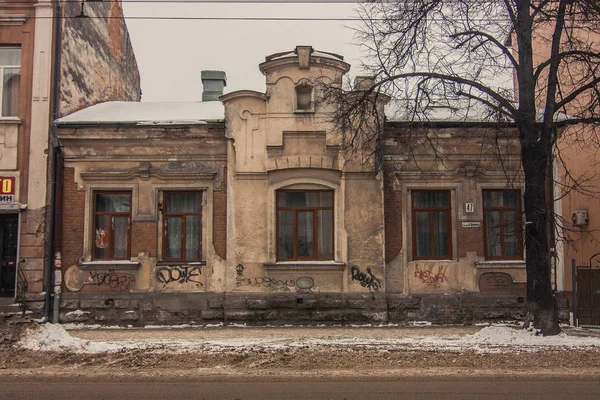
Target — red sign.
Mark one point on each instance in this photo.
(7, 185)
(7, 190)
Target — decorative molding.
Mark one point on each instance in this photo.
(304, 266)
(359, 175)
(145, 172)
(291, 162)
(13, 19)
(249, 176)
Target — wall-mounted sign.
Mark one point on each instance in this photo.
(469, 207)
(471, 224)
(7, 189)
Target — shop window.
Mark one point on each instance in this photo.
(431, 224)
(112, 225)
(182, 226)
(10, 69)
(304, 98)
(502, 224)
(304, 225)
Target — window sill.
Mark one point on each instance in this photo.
(441, 260)
(500, 264)
(304, 112)
(175, 263)
(305, 265)
(112, 264)
(10, 120)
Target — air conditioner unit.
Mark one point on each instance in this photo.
(579, 217)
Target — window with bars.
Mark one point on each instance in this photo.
(431, 224)
(502, 224)
(112, 225)
(182, 226)
(10, 69)
(304, 225)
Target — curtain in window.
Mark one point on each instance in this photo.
(10, 59)
(10, 92)
(183, 204)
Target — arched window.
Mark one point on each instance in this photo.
(304, 97)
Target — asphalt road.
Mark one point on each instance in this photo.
(299, 388)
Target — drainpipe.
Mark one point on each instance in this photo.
(53, 149)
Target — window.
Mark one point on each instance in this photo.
(304, 225)
(304, 98)
(502, 224)
(431, 224)
(112, 223)
(182, 218)
(10, 69)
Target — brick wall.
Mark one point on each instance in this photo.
(97, 59)
(469, 239)
(220, 218)
(144, 238)
(73, 213)
(393, 217)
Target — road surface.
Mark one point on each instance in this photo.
(348, 388)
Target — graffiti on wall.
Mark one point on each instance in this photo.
(268, 283)
(179, 274)
(367, 280)
(303, 284)
(430, 276)
(115, 280)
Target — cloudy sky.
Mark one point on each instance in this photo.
(172, 52)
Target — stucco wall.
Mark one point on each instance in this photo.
(97, 61)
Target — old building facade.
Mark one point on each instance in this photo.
(251, 209)
(41, 46)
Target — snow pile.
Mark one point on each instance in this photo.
(53, 337)
(501, 335)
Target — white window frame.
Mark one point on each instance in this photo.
(2, 67)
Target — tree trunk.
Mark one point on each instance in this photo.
(541, 304)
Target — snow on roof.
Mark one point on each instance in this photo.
(140, 113)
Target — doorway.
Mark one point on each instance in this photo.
(9, 233)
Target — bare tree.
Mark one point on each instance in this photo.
(466, 53)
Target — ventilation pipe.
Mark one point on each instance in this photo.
(213, 82)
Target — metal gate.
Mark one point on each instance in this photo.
(586, 293)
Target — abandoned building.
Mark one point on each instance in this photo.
(245, 208)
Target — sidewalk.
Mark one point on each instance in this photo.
(50, 350)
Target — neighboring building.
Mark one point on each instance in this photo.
(92, 62)
(576, 173)
(249, 209)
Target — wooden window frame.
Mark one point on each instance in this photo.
(166, 215)
(315, 214)
(431, 210)
(502, 210)
(112, 230)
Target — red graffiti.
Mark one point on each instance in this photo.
(431, 278)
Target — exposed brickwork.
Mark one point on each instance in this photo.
(469, 239)
(220, 218)
(144, 238)
(97, 60)
(73, 218)
(393, 217)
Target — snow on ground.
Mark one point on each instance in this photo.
(491, 339)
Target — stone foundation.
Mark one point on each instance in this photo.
(156, 308)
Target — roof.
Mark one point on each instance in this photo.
(140, 113)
